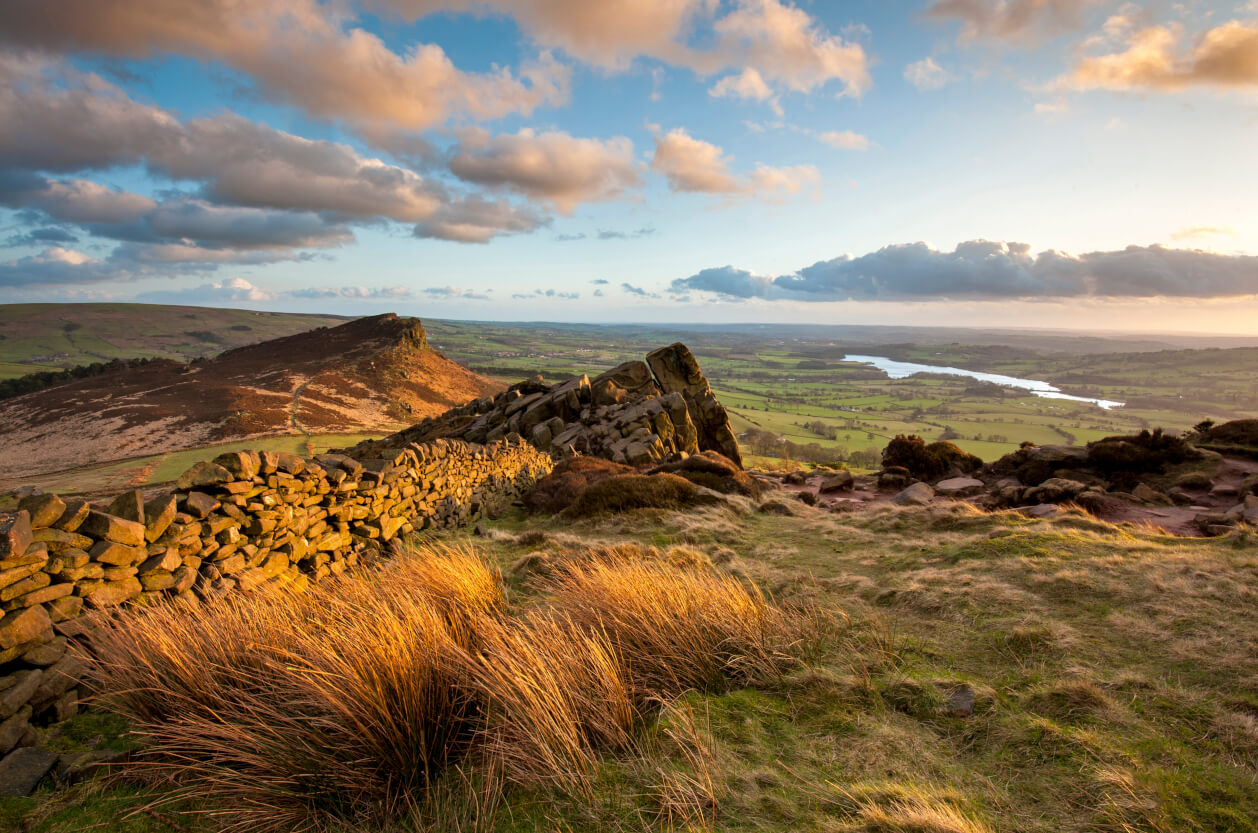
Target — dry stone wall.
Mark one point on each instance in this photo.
(240, 521)
(638, 413)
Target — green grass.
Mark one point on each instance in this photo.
(1113, 671)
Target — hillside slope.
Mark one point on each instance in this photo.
(369, 374)
(55, 336)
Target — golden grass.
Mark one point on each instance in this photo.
(351, 702)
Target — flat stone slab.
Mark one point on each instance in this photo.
(959, 486)
(23, 769)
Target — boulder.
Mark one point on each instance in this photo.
(840, 482)
(959, 487)
(1041, 510)
(919, 494)
(1054, 490)
(1147, 494)
(677, 371)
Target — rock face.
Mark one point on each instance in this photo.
(638, 413)
(243, 520)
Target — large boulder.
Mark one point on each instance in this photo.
(677, 371)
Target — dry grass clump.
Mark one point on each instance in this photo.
(352, 702)
(906, 809)
(677, 630)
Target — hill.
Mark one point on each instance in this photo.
(56, 336)
(369, 374)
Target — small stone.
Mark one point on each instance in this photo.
(23, 769)
(117, 555)
(26, 683)
(11, 730)
(1041, 510)
(113, 593)
(67, 607)
(74, 515)
(960, 702)
(159, 513)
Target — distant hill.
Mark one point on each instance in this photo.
(368, 374)
(37, 337)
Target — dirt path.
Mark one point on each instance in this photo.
(295, 406)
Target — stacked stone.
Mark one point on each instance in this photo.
(243, 520)
(639, 413)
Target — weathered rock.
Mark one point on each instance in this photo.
(1147, 494)
(117, 555)
(919, 494)
(677, 371)
(129, 506)
(15, 534)
(12, 729)
(203, 474)
(19, 693)
(959, 486)
(31, 625)
(111, 528)
(159, 514)
(74, 515)
(113, 593)
(23, 769)
(44, 510)
(1041, 510)
(841, 482)
(1054, 490)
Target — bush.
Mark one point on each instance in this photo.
(713, 471)
(928, 462)
(346, 705)
(557, 490)
(1147, 451)
(624, 492)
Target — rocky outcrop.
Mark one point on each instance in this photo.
(236, 523)
(638, 413)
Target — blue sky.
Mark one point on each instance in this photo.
(1041, 163)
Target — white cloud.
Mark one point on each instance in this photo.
(844, 140)
(693, 165)
(926, 74)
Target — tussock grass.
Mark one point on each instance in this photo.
(351, 703)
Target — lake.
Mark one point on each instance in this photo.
(901, 370)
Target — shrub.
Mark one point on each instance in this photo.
(636, 491)
(713, 471)
(557, 490)
(1144, 452)
(927, 462)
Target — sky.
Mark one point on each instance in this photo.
(1085, 164)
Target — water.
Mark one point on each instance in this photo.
(901, 370)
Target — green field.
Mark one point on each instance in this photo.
(781, 385)
(35, 337)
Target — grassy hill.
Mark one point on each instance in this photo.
(37, 337)
(966, 673)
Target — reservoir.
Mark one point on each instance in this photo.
(901, 370)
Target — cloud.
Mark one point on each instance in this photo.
(569, 238)
(844, 140)
(455, 292)
(598, 293)
(600, 282)
(75, 200)
(54, 118)
(1010, 20)
(612, 234)
(784, 45)
(551, 166)
(546, 293)
(1154, 59)
(352, 292)
(607, 34)
(630, 289)
(1192, 232)
(42, 236)
(986, 270)
(778, 44)
(695, 166)
(228, 291)
(299, 51)
(748, 84)
(926, 74)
